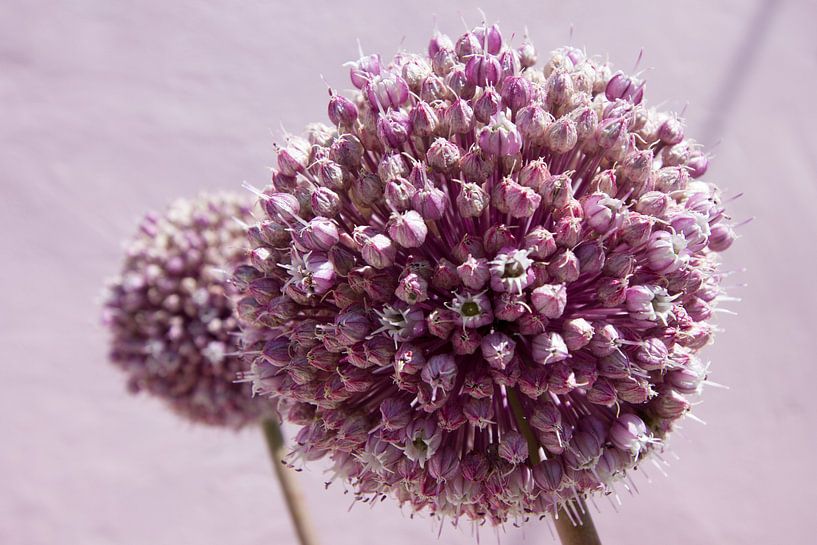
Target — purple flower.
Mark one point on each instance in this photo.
(171, 320)
(495, 284)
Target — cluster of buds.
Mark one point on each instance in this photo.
(170, 312)
(485, 285)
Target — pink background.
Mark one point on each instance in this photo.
(107, 110)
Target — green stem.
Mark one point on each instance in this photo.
(584, 531)
(292, 498)
(524, 427)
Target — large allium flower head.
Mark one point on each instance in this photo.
(496, 278)
(173, 329)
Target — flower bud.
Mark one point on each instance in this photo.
(577, 333)
(362, 70)
(430, 202)
(341, 110)
(443, 156)
(471, 200)
(325, 202)
(625, 88)
(497, 349)
(407, 229)
(550, 300)
(393, 128)
(474, 273)
(548, 348)
(486, 105)
(459, 117)
(500, 137)
(516, 92)
(561, 136)
(387, 91)
(483, 70)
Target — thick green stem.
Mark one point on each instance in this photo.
(297, 513)
(583, 532)
(524, 427)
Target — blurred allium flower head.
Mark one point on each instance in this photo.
(173, 329)
(485, 286)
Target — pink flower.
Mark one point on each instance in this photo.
(171, 320)
(524, 271)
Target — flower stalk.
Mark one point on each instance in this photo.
(577, 529)
(292, 497)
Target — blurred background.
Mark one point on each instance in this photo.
(108, 109)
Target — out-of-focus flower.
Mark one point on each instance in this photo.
(496, 278)
(173, 329)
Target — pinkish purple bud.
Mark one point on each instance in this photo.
(459, 117)
(325, 202)
(561, 136)
(424, 121)
(475, 167)
(430, 202)
(486, 105)
(319, 234)
(376, 249)
(516, 93)
(577, 333)
(497, 349)
(564, 267)
(602, 212)
(671, 131)
(458, 82)
(281, 205)
(445, 275)
(500, 137)
(415, 70)
(474, 272)
(651, 303)
(471, 200)
(533, 122)
(697, 164)
(548, 348)
(540, 243)
(721, 237)
(407, 229)
(443, 156)
(387, 91)
(670, 404)
(293, 159)
(549, 300)
(412, 289)
(341, 110)
(522, 201)
(444, 61)
(465, 341)
(624, 88)
(362, 70)
(467, 45)
(398, 194)
(513, 448)
(489, 38)
(527, 53)
(347, 151)
(666, 252)
(483, 70)
(393, 128)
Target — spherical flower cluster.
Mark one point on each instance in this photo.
(171, 316)
(485, 286)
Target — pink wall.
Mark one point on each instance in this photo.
(106, 111)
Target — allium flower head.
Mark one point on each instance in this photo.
(171, 317)
(495, 278)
